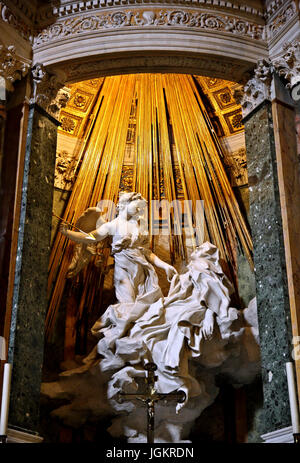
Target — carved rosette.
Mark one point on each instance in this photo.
(257, 89)
(12, 66)
(288, 65)
(48, 91)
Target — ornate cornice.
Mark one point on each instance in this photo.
(40, 14)
(12, 66)
(73, 16)
(74, 7)
(152, 17)
(288, 65)
(48, 91)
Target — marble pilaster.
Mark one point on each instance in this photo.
(26, 343)
(283, 112)
(270, 265)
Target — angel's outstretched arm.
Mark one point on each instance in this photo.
(155, 260)
(97, 235)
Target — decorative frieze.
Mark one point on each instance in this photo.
(191, 19)
(282, 17)
(48, 91)
(12, 66)
(273, 7)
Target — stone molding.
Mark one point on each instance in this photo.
(154, 17)
(204, 66)
(20, 437)
(12, 66)
(280, 436)
(48, 91)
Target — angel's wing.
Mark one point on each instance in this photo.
(87, 222)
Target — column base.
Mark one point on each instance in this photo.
(280, 436)
(21, 437)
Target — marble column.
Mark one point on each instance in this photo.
(273, 304)
(26, 342)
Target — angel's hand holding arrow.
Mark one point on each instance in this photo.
(63, 228)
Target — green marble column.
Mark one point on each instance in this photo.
(270, 268)
(26, 342)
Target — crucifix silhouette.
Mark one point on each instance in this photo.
(150, 397)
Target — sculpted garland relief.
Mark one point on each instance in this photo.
(135, 18)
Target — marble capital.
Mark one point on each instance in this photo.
(12, 66)
(288, 65)
(49, 91)
(258, 87)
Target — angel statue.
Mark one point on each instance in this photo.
(135, 278)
